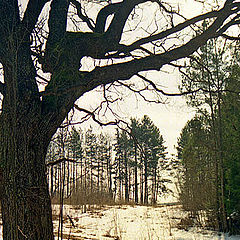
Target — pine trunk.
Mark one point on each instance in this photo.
(145, 181)
(141, 186)
(126, 177)
(135, 174)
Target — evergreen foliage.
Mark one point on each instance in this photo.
(208, 148)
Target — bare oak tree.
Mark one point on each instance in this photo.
(30, 117)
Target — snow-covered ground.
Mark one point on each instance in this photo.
(128, 223)
(131, 223)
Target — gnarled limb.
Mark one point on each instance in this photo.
(115, 29)
(57, 24)
(103, 15)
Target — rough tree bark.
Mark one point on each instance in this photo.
(25, 202)
(29, 118)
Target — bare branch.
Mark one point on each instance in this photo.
(139, 92)
(165, 93)
(81, 15)
(93, 116)
(234, 21)
(108, 74)
(231, 38)
(67, 87)
(167, 10)
(168, 32)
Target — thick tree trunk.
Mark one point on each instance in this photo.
(26, 205)
(24, 139)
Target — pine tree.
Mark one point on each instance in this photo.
(197, 188)
(152, 151)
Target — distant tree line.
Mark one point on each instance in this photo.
(209, 145)
(92, 168)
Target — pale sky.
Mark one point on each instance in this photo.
(169, 117)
